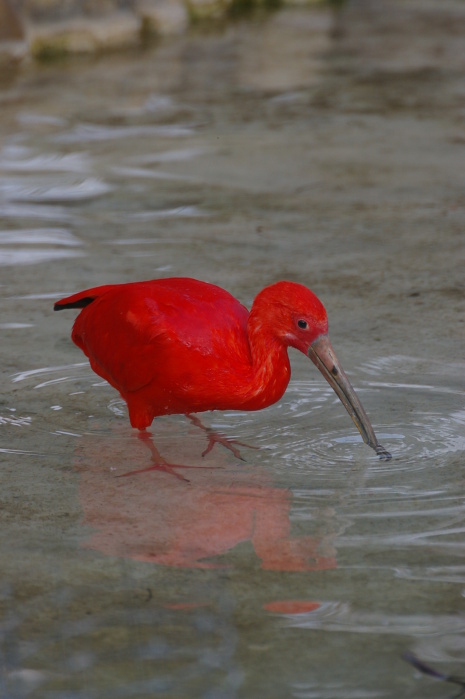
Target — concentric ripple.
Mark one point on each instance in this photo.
(422, 423)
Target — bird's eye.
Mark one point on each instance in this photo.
(302, 324)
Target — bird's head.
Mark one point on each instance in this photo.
(292, 314)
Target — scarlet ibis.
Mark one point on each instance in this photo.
(185, 346)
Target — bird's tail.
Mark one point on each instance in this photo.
(82, 298)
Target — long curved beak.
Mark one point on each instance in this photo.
(323, 356)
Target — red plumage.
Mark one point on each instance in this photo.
(171, 346)
(184, 346)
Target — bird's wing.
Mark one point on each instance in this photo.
(122, 338)
(136, 333)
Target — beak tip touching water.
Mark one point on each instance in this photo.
(323, 356)
(383, 453)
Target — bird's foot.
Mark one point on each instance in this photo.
(227, 443)
(159, 463)
(163, 467)
(217, 438)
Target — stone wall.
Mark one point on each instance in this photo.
(49, 28)
(45, 29)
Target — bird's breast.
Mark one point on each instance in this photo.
(268, 382)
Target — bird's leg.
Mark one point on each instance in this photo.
(216, 438)
(159, 463)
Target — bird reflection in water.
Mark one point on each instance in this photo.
(193, 521)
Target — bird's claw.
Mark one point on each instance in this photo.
(158, 462)
(227, 442)
(217, 438)
(162, 467)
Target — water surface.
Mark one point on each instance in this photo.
(271, 149)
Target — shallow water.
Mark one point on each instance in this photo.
(285, 147)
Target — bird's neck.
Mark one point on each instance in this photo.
(271, 369)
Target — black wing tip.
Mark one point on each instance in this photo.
(81, 303)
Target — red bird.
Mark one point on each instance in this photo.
(184, 346)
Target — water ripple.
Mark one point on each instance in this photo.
(49, 295)
(17, 421)
(39, 236)
(20, 159)
(401, 365)
(335, 691)
(145, 637)
(442, 574)
(39, 212)
(415, 386)
(170, 156)
(49, 192)
(32, 256)
(32, 118)
(340, 617)
(309, 431)
(93, 132)
(177, 212)
(33, 373)
(312, 429)
(150, 174)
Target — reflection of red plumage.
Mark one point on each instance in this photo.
(184, 346)
(155, 518)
